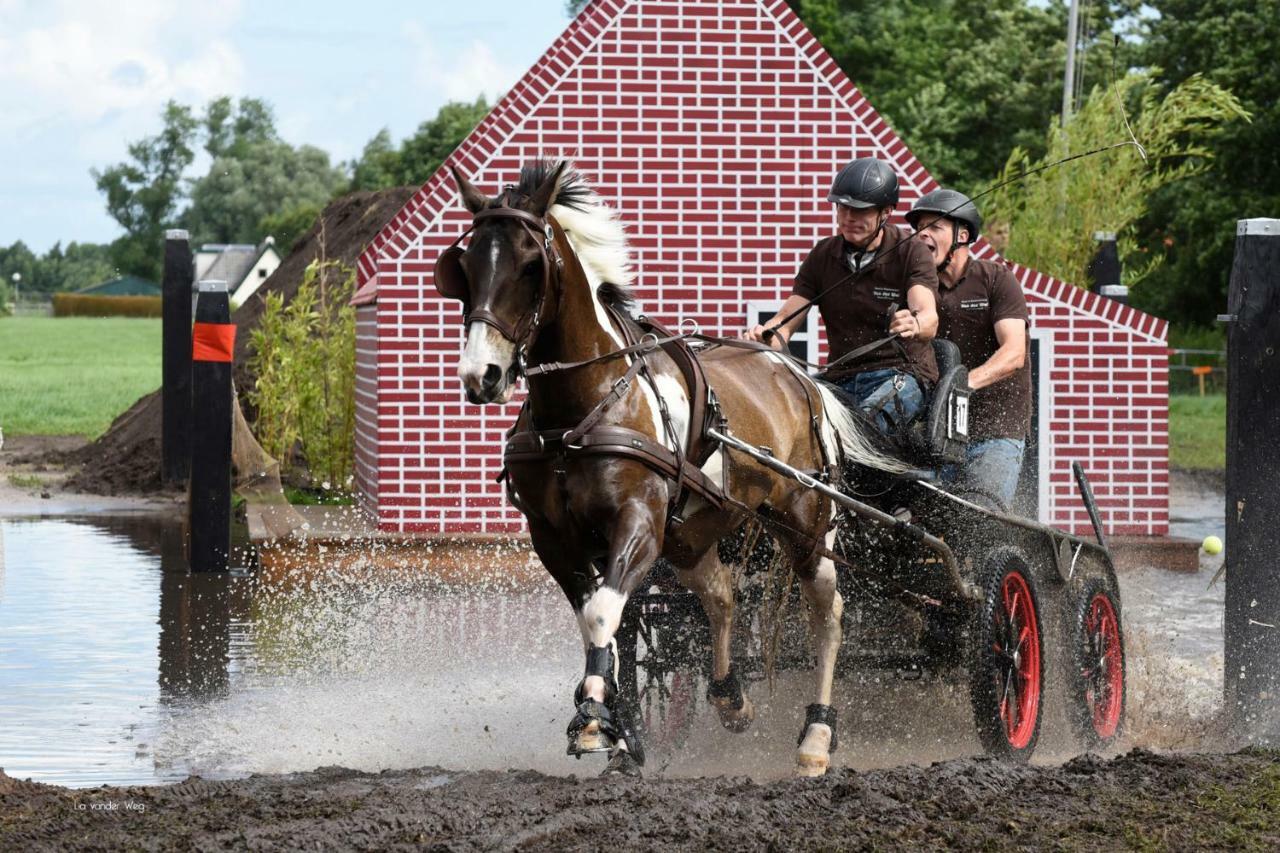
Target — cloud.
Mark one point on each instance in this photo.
(460, 75)
(89, 61)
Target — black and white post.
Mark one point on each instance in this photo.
(209, 505)
(1251, 628)
(175, 371)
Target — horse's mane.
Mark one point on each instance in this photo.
(592, 227)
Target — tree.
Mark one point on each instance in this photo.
(263, 179)
(231, 132)
(1232, 43)
(963, 82)
(143, 193)
(1046, 219)
(288, 226)
(420, 155)
(378, 166)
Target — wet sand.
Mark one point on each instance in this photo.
(1139, 800)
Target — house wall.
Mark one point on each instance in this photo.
(714, 126)
(366, 440)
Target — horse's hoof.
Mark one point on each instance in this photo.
(813, 757)
(809, 765)
(736, 720)
(590, 738)
(622, 764)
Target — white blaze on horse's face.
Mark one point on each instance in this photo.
(486, 364)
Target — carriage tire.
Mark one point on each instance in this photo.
(664, 713)
(1006, 688)
(1097, 662)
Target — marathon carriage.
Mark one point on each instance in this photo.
(643, 456)
(935, 582)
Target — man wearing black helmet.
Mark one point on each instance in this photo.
(982, 310)
(869, 283)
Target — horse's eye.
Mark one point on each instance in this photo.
(531, 269)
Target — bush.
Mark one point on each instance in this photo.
(75, 305)
(303, 354)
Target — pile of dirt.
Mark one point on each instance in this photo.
(126, 459)
(1140, 800)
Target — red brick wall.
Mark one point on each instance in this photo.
(714, 126)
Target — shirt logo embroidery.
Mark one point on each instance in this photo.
(885, 294)
(974, 304)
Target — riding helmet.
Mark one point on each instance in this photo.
(865, 182)
(951, 204)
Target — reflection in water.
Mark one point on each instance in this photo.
(235, 674)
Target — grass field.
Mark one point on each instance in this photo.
(1198, 431)
(73, 375)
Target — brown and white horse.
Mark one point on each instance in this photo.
(536, 295)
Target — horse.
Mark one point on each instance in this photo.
(611, 470)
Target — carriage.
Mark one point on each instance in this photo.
(637, 443)
(937, 584)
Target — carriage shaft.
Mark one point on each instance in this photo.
(962, 589)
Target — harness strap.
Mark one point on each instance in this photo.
(615, 394)
(540, 445)
(646, 345)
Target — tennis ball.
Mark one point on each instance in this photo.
(1212, 545)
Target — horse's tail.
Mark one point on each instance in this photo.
(847, 439)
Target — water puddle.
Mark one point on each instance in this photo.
(117, 666)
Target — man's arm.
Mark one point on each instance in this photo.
(921, 320)
(1011, 335)
(779, 342)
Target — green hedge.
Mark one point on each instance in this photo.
(75, 305)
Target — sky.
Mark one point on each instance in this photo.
(80, 79)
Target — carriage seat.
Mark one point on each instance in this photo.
(940, 434)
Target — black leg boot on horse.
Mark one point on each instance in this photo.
(608, 725)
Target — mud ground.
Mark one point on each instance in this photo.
(1140, 800)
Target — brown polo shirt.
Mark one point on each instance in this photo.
(967, 314)
(855, 312)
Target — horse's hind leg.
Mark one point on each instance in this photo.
(712, 581)
(818, 738)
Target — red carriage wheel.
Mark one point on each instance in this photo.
(1099, 663)
(1006, 658)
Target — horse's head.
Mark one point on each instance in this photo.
(505, 279)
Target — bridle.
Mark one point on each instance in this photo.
(451, 281)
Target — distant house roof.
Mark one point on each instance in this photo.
(232, 263)
(125, 285)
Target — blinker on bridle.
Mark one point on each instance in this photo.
(451, 281)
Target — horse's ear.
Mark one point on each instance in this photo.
(474, 200)
(544, 196)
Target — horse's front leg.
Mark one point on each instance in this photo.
(602, 723)
(712, 581)
(818, 737)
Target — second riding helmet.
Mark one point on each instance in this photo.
(865, 182)
(953, 205)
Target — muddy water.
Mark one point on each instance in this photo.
(117, 666)
(1173, 625)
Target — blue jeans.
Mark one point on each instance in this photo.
(991, 466)
(872, 388)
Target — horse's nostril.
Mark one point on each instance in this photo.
(492, 375)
